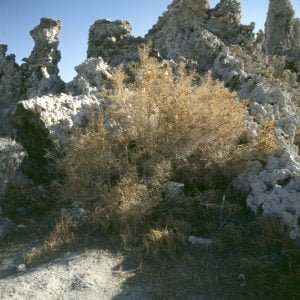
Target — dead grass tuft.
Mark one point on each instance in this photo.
(62, 234)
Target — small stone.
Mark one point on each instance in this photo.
(196, 241)
(21, 227)
(21, 268)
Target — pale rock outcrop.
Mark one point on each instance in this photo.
(191, 30)
(43, 125)
(91, 78)
(11, 88)
(273, 188)
(113, 42)
(41, 68)
(179, 33)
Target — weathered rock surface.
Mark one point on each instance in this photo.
(214, 38)
(282, 30)
(191, 30)
(44, 123)
(11, 157)
(113, 42)
(282, 37)
(273, 188)
(41, 68)
(11, 88)
(91, 77)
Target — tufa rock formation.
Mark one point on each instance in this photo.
(11, 89)
(282, 35)
(191, 30)
(282, 30)
(41, 68)
(113, 42)
(36, 77)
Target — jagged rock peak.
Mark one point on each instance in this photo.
(231, 9)
(3, 50)
(190, 29)
(105, 32)
(41, 68)
(195, 5)
(281, 28)
(113, 42)
(45, 36)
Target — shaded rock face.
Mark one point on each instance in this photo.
(282, 30)
(11, 88)
(11, 157)
(112, 41)
(41, 68)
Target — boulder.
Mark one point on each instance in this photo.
(43, 125)
(93, 73)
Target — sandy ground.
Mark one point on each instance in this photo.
(92, 275)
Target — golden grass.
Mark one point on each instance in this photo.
(62, 234)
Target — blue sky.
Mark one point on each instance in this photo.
(18, 17)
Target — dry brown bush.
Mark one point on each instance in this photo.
(118, 164)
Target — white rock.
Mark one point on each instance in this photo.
(197, 241)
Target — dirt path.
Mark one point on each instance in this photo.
(92, 275)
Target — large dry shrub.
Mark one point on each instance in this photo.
(118, 164)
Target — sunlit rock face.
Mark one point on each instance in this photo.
(191, 30)
(41, 68)
(113, 42)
